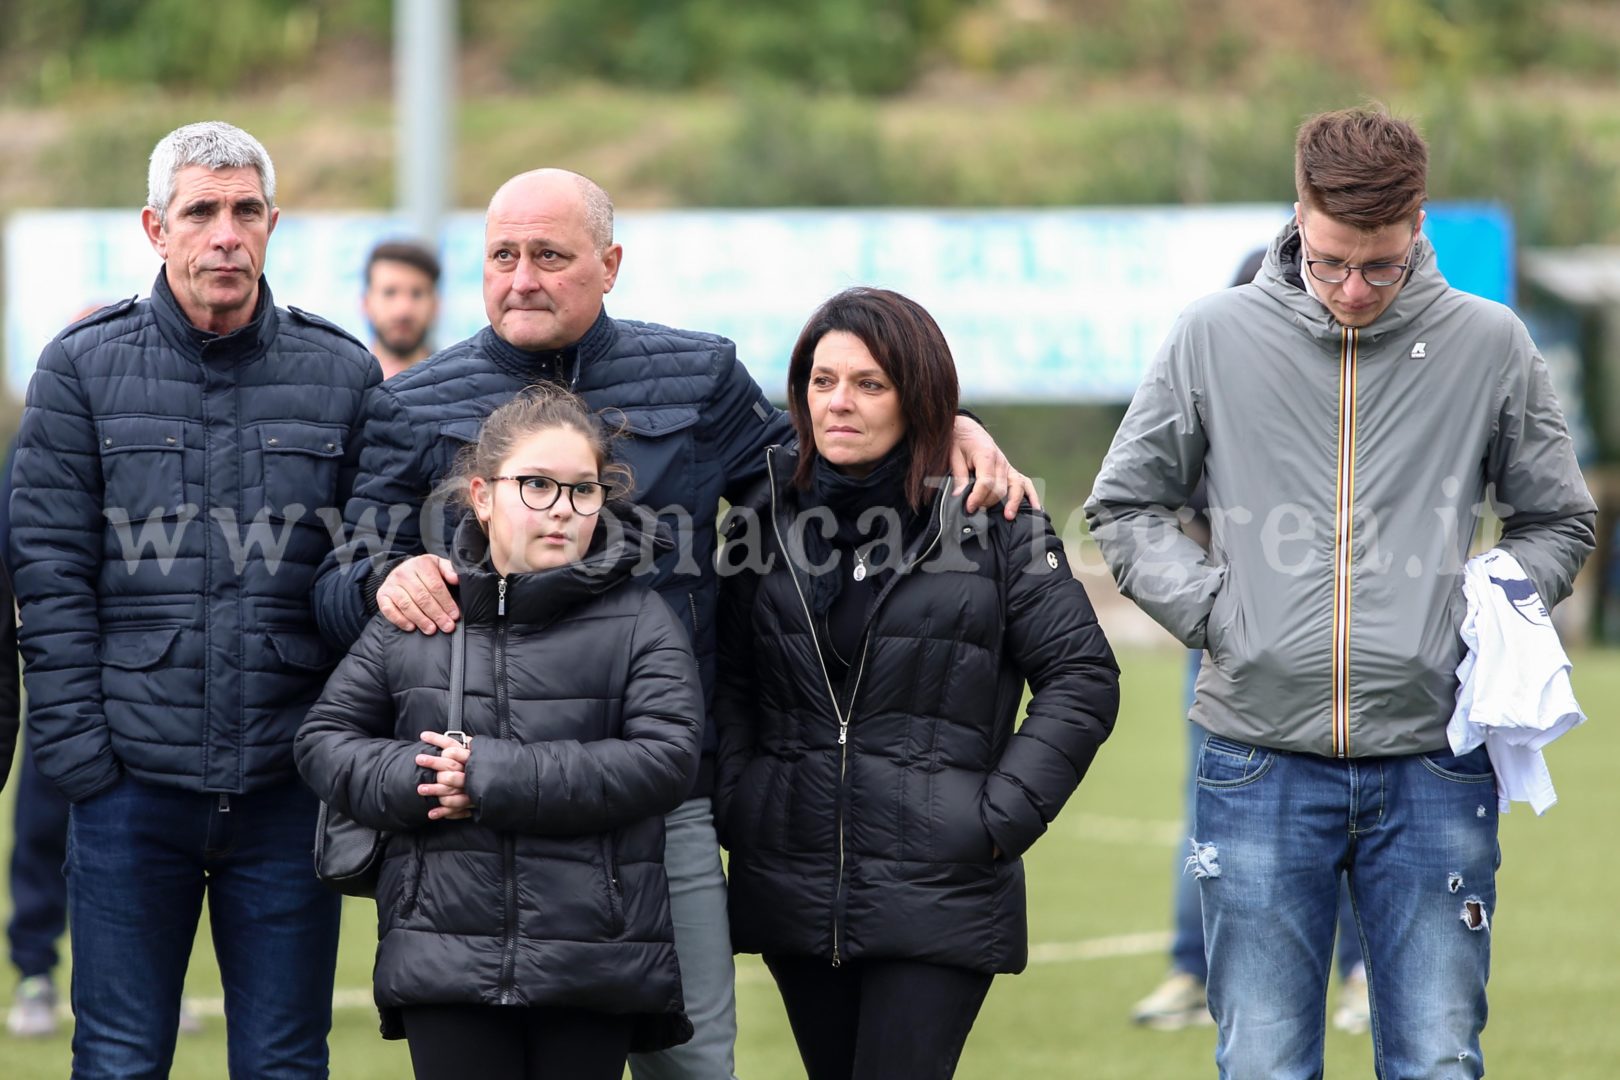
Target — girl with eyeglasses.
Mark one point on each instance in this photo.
(523, 910)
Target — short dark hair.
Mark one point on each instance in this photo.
(408, 252)
(1361, 166)
(906, 342)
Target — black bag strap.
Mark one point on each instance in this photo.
(458, 682)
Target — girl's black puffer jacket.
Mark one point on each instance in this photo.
(863, 814)
(583, 701)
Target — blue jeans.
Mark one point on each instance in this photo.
(697, 904)
(1416, 836)
(1187, 941)
(38, 889)
(140, 860)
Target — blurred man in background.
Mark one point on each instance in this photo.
(1349, 412)
(401, 303)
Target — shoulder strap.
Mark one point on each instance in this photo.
(458, 674)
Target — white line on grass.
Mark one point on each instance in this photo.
(1050, 952)
(1121, 830)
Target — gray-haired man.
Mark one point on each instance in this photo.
(172, 456)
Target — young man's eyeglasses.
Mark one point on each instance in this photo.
(542, 492)
(1335, 272)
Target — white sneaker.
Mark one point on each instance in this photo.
(33, 1010)
(1175, 1003)
(1354, 1014)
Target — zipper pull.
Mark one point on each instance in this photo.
(500, 598)
(843, 733)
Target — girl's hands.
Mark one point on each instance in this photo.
(449, 764)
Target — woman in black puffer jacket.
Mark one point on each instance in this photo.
(523, 911)
(871, 788)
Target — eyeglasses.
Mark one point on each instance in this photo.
(542, 492)
(1335, 272)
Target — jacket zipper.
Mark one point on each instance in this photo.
(503, 714)
(1343, 539)
(691, 603)
(844, 716)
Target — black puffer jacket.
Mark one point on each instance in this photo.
(865, 830)
(585, 709)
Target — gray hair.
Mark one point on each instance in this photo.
(212, 144)
(598, 213)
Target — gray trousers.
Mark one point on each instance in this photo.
(697, 901)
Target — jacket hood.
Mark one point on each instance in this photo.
(1281, 278)
(627, 541)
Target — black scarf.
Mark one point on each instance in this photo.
(848, 497)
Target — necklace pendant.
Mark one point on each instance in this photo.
(860, 571)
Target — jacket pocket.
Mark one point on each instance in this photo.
(610, 884)
(410, 892)
(1221, 629)
(304, 651)
(143, 465)
(137, 650)
(661, 454)
(300, 467)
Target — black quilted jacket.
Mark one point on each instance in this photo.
(584, 707)
(697, 426)
(861, 816)
(165, 533)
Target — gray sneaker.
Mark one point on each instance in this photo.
(1354, 1014)
(33, 1010)
(1176, 1003)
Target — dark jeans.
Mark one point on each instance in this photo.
(497, 1042)
(38, 889)
(878, 1019)
(141, 858)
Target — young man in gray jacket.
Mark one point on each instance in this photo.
(1352, 415)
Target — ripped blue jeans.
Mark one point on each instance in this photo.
(1416, 836)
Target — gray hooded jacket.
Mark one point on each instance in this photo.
(1347, 470)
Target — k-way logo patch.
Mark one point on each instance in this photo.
(1420, 350)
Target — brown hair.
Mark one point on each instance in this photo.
(1361, 166)
(907, 343)
(404, 251)
(536, 409)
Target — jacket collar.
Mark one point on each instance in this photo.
(944, 511)
(627, 539)
(550, 365)
(245, 343)
(1281, 276)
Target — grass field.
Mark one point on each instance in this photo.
(1098, 917)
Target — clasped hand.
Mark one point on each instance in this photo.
(449, 766)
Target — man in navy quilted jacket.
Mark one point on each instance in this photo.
(174, 455)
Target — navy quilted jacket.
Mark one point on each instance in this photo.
(697, 428)
(166, 527)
